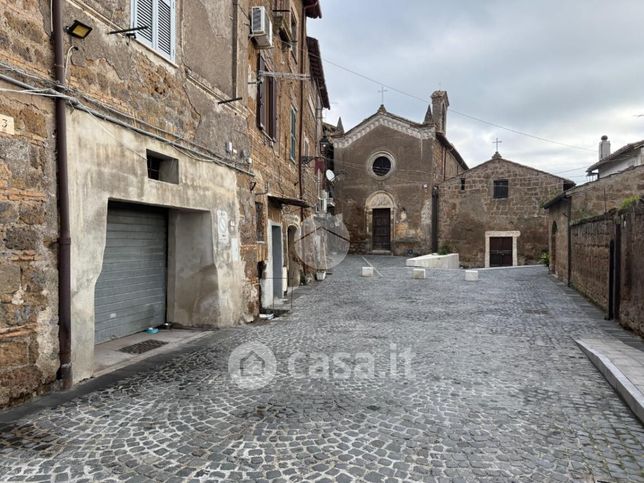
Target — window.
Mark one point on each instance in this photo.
(381, 166)
(500, 188)
(159, 17)
(462, 184)
(259, 221)
(293, 133)
(267, 102)
(163, 168)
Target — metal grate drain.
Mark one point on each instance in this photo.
(141, 347)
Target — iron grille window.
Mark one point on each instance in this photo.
(163, 168)
(500, 188)
(159, 17)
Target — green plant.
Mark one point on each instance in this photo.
(630, 201)
(545, 258)
(445, 250)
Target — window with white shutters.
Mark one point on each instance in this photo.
(159, 17)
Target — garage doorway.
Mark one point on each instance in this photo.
(130, 293)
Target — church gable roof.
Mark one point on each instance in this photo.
(384, 118)
(497, 158)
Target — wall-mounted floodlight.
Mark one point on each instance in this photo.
(78, 29)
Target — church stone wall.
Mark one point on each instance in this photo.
(409, 185)
(465, 215)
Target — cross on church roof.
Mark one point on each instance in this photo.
(382, 91)
(497, 142)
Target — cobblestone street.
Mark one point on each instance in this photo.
(498, 391)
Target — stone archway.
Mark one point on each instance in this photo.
(380, 202)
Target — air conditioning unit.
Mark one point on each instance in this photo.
(261, 28)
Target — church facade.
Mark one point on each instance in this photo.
(403, 189)
(387, 168)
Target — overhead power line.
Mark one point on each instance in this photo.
(468, 116)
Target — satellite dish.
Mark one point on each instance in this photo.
(330, 176)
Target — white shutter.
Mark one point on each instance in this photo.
(165, 27)
(159, 16)
(143, 15)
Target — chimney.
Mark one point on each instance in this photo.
(440, 103)
(604, 147)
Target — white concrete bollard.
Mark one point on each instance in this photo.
(418, 273)
(367, 271)
(471, 275)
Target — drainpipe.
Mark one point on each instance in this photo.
(301, 134)
(235, 47)
(435, 219)
(64, 240)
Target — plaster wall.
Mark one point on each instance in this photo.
(106, 163)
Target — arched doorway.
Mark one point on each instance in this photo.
(380, 212)
(553, 248)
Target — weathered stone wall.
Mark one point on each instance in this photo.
(275, 172)
(598, 197)
(590, 241)
(28, 235)
(465, 215)
(587, 201)
(631, 309)
(28, 222)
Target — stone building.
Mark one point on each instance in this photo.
(492, 214)
(160, 172)
(387, 167)
(610, 163)
(584, 202)
(597, 244)
(286, 96)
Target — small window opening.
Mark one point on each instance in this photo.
(500, 188)
(462, 184)
(163, 168)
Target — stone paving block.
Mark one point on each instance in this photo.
(367, 271)
(471, 275)
(418, 273)
(498, 391)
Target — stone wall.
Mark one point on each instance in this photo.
(28, 236)
(631, 307)
(587, 201)
(590, 241)
(467, 210)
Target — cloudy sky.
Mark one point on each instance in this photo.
(564, 70)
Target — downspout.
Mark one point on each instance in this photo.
(235, 46)
(435, 219)
(64, 240)
(301, 133)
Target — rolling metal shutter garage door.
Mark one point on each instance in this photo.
(131, 290)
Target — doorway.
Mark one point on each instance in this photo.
(501, 251)
(381, 229)
(278, 261)
(553, 248)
